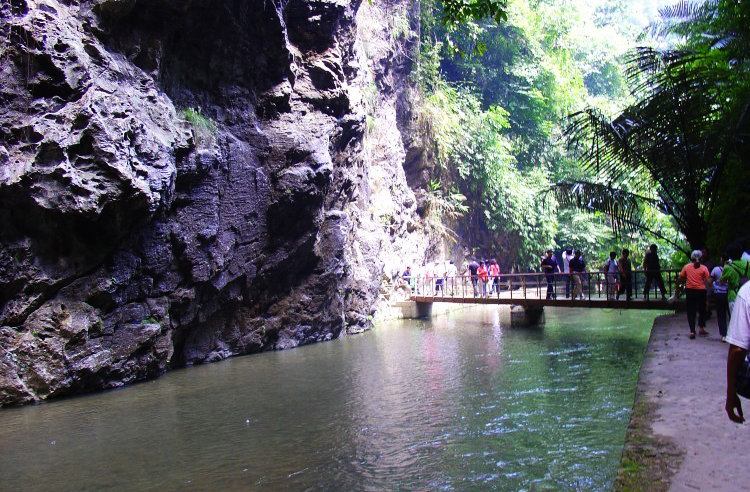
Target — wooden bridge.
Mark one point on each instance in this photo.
(530, 290)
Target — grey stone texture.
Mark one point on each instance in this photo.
(184, 181)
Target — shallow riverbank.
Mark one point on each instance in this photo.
(679, 436)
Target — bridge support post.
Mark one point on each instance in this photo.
(533, 315)
(424, 309)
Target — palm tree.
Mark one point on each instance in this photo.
(672, 148)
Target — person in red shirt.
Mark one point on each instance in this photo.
(494, 271)
(483, 277)
(696, 277)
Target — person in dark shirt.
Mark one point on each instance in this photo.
(653, 272)
(625, 268)
(473, 268)
(577, 268)
(550, 267)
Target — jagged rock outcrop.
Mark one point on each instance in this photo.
(183, 181)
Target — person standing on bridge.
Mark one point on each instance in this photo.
(494, 271)
(567, 256)
(696, 277)
(577, 269)
(550, 267)
(625, 267)
(450, 276)
(652, 266)
(483, 277)
(610, 272)
(407, 278)
(472, 269)
(439, 271)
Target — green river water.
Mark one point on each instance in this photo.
(459, 402)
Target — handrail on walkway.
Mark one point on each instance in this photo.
(591, 286)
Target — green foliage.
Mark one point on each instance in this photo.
(688, 126)
(496, 98)
(444, 207)
(204, 128)
(501, 199)
(462, 11)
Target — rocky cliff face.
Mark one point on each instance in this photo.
(183, 181)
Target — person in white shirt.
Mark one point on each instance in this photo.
(450, 276)
(611, 269)
(439, 271)
(567, 256)
(738, 337)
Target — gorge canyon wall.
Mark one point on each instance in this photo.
(185, 181)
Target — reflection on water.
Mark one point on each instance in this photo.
(460, 402)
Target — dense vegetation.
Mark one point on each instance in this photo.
(682, 145)
(498, 96)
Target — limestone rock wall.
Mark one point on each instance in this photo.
(184, 181)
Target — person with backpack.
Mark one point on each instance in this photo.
(610, 275)
(577, 269)
(695, 276)
(735, 272)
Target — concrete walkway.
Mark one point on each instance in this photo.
(683, 382)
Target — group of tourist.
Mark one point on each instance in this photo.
(727, 283)
(618, 273)
(574, 266)
(484, 275)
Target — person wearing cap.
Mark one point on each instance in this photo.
(695, 276)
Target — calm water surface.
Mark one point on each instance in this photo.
(461, 402)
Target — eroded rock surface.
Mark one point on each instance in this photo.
(183, 181)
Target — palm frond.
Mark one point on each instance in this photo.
(623, 209)
(620, 207)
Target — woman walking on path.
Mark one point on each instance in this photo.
(721, 302)
(696, 277)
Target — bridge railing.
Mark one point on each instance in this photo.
(593, 285)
